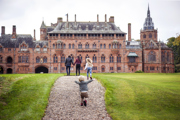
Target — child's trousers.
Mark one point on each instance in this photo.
(89, 71)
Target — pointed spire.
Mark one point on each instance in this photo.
(148, 12)
(43, 25)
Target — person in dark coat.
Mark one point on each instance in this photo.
(68, 63)
(78, 65)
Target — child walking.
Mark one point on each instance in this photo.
(83, 89)
(88, 66)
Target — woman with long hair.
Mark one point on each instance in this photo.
(78, 65)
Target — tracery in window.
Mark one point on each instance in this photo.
(79, 46)
(62, 58)
(55, 59)
(37, 59)
(94, 59)
(87, 46)
(102, 58)
(118, 58)
(111, 59)
(152, 56)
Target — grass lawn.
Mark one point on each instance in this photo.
(141, 96)
(25, 96)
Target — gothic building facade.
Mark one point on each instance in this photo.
(103, 42)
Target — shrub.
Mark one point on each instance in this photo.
(139, 71)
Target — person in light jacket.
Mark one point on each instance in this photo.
(88, 66)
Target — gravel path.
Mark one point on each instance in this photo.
(64, 101)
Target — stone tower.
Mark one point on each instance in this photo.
(43, 31)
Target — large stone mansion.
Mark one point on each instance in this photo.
(103, 42)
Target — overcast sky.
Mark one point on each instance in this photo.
(27, 15)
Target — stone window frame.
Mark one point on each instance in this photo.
(1, 59)
(72, 57)
(132, 59)
(94, 46)
(109, 46)
(168, 57)
(103, 58)
(55, 58)
(80, 46)
(144, 36)
(87, 45)
(54, 46)
(38, 48)
(152, 56)
(118, 68)
(111, 68)
(69, 46)
(94, 59)
(44, 59)
(150, 35)
(104, 46)
(37, 59)
(100, 46)
(64, 46)
(119, 58)
(162, 56)
(120, 46)
(87, 56)
(73, 46)
(62, 58)
(111, 58)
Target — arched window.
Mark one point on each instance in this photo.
(100, 46)
(168, 57)
(87, 46)
(114, 46)
(162, 56)
(94, 59)
(150, 35)
(94, 45)
(79, 46)
(151, 44)
(86, 57)
(118, 58)
(72, 46)
(144, 36)
(109, 46)
(62, 58)
(103, 58)
(72, 57)
(9, 60)
(152, 56)
(64, 46)
(45, 59)
(59, 46)
(119, 46)
(1, 59)
(55, 59)
(37, 59)
(104, 46)
(80, 57)
(53, 46)
(69, 46)
(111, 59)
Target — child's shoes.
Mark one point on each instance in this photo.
(85, 103)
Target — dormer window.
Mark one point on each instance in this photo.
(23, 47)
(45, 49)
(38, 49)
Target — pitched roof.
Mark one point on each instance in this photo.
(43, 25)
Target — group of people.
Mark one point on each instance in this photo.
(88, 66)
(82, 83)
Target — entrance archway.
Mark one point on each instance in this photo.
(41, 69)
(9, 59)
(9, 71)
(103, 68)
(1, 70)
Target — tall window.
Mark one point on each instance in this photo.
(103, 58)
(72, 57)
(109, 46)
(163, 56)
(63, 59)
(1, 59)
(64, 46)
(86, 57)
(100, 46)
(168, 56)
(69, 46)
(94, 59)
(144, 36)
(55, 59)
(111, 59)
(79, 46)
(25, 59)
(119, 46)
(37, 60)
(114, 46)
(119, 58)
(53, 46)
(152, 56)
(72, 46)
(80, 57)
(59, 46)
(132, 59)
(94, 45)
(87, 46)
(45, 59)
(150, 35)
(104, 46)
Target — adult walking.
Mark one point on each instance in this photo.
(78, 65)
(68, 64)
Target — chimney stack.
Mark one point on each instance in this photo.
(105, 18)
(34, 35)
(14, 32)
(67, 20)
(75, 18)
(129, 31)
(97, 19)
(59, 19)
(3, 30)
(111, 19)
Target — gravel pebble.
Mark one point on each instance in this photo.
(64, 101)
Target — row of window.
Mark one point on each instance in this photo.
(152, 56)
(151, 68)
(150, 35)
